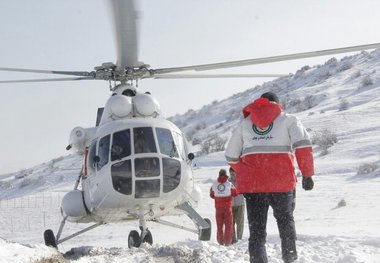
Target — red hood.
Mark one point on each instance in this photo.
(262, 112)
(222, 179)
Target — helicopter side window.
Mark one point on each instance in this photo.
(144, 140)
(180, 141)
(121, 145)
(122, 177)
(147, 167)
(91, 155)
(172, 174)
(103, 151)
(166, 142)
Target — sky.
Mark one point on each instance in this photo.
(77, 35)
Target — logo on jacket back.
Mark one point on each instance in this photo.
(221, 187)
(260, 131)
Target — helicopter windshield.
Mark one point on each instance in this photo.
(172, 174)
(159, 171)
(144, 140)
(121, 145)
(166, 142)
(122, 177)
(147, 167)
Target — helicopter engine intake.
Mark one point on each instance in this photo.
(146, 105)
(117, 107)
(73, 206)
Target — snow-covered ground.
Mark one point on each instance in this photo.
(336, 222)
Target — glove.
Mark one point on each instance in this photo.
(307, 183)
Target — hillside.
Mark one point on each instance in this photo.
(320, 95)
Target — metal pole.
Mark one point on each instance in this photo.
(167, 223)
(78, 233)
(61, 227)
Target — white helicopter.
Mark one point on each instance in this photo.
(136, 164)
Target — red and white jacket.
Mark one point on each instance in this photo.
(262, 149)
(222, 191)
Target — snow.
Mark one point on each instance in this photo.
(327, 232)
(338, 221)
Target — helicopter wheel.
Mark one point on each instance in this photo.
(134, 239)
(205, 233)
(148, 238)
(50, 238)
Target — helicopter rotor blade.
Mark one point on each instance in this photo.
(74, 73)
(125, 24)
(207, 76)
(45, 80)
(255, 61)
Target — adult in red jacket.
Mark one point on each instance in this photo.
(222, 192)
(262, 151)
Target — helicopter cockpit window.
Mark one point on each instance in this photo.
(180, 141)
(121, 145)
(147, 188)
(147, 167)
(90, 158)
(103, 151)
(166, 142)
(144, 140)
(172, 174)
(122, 177)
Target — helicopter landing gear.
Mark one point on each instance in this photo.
(135, 240)
(203, 224)
(205, 233)
(49, 238)
(148, 238)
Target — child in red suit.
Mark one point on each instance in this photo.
(222, 191)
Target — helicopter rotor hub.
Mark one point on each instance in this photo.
(110, 72)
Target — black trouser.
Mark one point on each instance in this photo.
(257, 212)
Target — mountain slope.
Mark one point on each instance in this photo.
(320, 94)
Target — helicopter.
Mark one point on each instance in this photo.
(136, 164)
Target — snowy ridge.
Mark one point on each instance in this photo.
(336, 222)
(310, 90)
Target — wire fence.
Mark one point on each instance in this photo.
(30, 213)
(42, 200)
